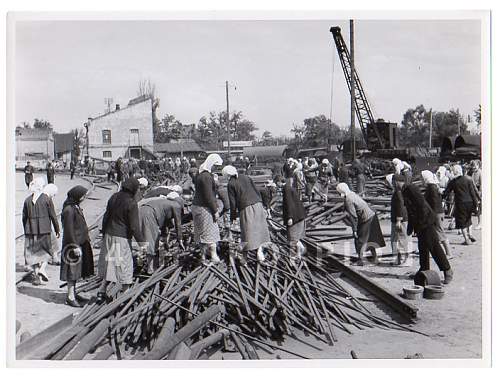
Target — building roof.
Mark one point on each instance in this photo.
(33, 134)
(265, 151)
(63, 142)
(177, 148)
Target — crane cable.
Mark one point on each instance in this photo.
(331, 93)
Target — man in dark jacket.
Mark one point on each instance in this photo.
(28, 173)
(50, 173)
(72, 169)
(421, 220)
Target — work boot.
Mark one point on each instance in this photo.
(448, 276)
(213, 255)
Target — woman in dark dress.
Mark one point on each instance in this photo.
(77, 259)
(466, 201)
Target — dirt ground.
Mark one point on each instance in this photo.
(453, 324)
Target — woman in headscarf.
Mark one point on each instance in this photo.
(435, 201)
(38, 216)
(245, 200)
(466, 202)
(402, 168)
(268, 195)
(294, 215)
(120, 225)
(359, 171)
(364, 222)
(399, 222)
(442, 178)
(77, 258)
(205, 210)
(51, 191)
(325, 177)
(310, 176)
(299, 182)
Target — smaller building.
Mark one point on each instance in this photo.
(35, 145)
(187, 148)
(64, 144)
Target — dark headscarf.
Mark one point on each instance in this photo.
(131, 185)
(75, 195)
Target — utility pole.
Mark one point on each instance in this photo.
(353, 103)
(227, 123)
(458, 121)
(430, 132)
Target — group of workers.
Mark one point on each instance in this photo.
(134, 220)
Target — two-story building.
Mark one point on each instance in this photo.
(125, 132)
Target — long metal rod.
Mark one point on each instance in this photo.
(353, 100)
(236, 331)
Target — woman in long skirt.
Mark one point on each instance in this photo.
(51, 191)
(245, 200)
(38, 216)
(77, 258)
(120, 225)
(364, 222)
(205, 210)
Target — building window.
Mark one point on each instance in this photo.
(134, 131)
(106, 136)
(106, 154)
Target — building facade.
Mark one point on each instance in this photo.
(35, 145)
(126, 132)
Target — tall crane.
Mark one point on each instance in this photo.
(377, 134)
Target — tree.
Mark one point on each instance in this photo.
(41, 124)
(415, 127)
(316, 131)
(267, 139)
(446, 124)
(79, 143)
(212, 129)
(146, 87)
(477, 115)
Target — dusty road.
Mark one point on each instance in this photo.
(453, 324)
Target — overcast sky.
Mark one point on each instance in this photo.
(281, 69)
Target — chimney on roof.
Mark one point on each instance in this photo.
(117, 107)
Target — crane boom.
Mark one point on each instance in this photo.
(363, 110)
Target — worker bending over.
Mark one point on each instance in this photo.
(364, 222)
(155, 216)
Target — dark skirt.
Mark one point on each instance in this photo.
(37, 248)
(74, 268)
(369, 235)
(463, 214)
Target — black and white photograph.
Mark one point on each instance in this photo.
(249, 188)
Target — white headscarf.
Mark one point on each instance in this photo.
(143, 182)
(429, 177)
(270, 183)
(389, 179)
(172, 196)
(175, 188)
(229, 171)
(325, 161)
(456, 171)
(343, 189)
(36, 186)
(50, 190)
(212, 159)
(441, 172)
